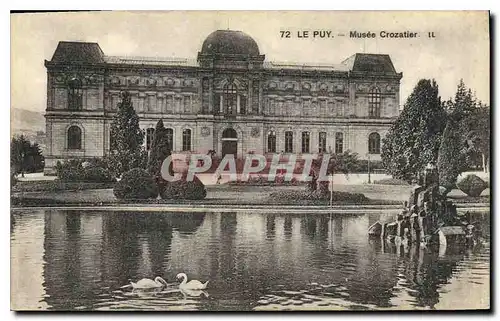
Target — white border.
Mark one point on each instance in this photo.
(198, 5)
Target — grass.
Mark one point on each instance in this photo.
(391, 181)
(44, 193)
(58, 185)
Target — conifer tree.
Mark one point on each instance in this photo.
(160, 150)
(414, 138)
(126, 151)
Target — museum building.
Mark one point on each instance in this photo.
(230, 100)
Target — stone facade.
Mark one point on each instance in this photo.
(270, 107)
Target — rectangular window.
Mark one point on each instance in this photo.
(305, 142)
(339, 143)
(170, 104)
(150, 132)
(170, 138)
(186, 140)
(243, 105)
(271, 142)
(306, 107)
(187, 104)
(322, 108)
(288, 142)
(374, 102)
(322, 142)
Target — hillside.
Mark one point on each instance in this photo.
(26, 121)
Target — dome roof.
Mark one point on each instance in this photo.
(229, 42)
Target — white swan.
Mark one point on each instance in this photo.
(148, 284)
(191, 285)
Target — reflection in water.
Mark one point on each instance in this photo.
(253, 261)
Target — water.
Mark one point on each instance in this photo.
(72, 260)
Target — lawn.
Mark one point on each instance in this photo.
(84, 194)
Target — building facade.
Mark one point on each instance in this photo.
(230, 100)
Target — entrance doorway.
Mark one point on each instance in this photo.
(229, 142)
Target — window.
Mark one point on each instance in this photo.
(271, 142)
(374, 103)
(288, 142)
(170, 138)
(74, 137)
(150, 133)
(243, 105)
(75, 94)
(230, 99)
(170, 104)
(187, 104)
(186, 140)
(323, 108)
(322, 142)
(305, 142)
(374, 143)
(339, 143)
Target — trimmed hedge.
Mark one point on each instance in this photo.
(472, 185)
(182, 189)
(319, 195)
(261, 180)
(391, 181)
(92, 171)
(136, 184)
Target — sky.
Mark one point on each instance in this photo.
(460, 48)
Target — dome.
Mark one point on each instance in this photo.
(229, 42)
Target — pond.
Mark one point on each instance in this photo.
(79, 260)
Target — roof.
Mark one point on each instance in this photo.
(304, 66)
(78, 52)
(229, 42)
(361, 62)
(156, 61)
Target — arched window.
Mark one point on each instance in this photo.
(186, 140)
(170, 138)
(271, 142)
(339, 143)
(374, 100)
(306, 138)
(322, 142)
(75, 94)
(74, 137)
(288, 142)
(374, 143)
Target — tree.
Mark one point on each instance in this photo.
(467, 133)
(25, 157)
(478, 133)
(344, 163)
(126, 151)
(451, 159)
(414, 139)
(160, 150)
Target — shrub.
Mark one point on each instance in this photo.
(391, 181)
(70, 170)
(183, 189)
(97, 174)
(93, 170)
(136, 184)
(318, 195)
(472, 185)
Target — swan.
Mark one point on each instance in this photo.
(191, 285)
(193, 293)
(158, 282)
